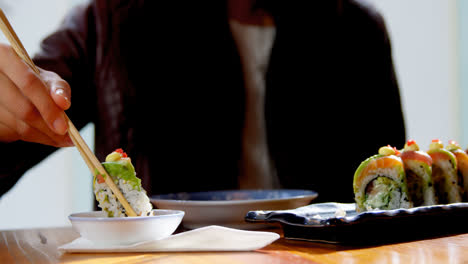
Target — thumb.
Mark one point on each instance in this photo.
(59, 89)
(60, 93)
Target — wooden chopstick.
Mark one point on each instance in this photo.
(88, 156)
(96, 167)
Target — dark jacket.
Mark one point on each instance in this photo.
(163, 80)
(332, 96)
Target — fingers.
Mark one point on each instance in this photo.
(7, 134)
(20, 115)
(12, 129)
(31, 105)
(35, 93)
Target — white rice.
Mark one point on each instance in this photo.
(399, 197)
(109, 203)
(447, 179)
(428, 188)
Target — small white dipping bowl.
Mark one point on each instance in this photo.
(99, 228)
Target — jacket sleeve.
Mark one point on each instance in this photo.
(66, 52)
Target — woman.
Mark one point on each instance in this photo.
(164, 81)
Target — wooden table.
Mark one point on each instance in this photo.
(40, 246)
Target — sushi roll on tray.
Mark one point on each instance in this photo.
(380, 182)
(444, 173)
(462, 167)
(418, 170)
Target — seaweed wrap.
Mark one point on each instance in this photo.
(380, 182)
(462, 167)
(418, 170)
(444, 173)
(119, 166)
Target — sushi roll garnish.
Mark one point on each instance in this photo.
(418, 170)
(444, 173)
(380, 182)
(119, 166)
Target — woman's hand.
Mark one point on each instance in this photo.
(32, 106)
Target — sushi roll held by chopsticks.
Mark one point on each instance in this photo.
(418, 170)
(119, 166)
(380, 182)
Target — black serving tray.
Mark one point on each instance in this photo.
(339, 223)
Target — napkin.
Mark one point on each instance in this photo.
(209, 238)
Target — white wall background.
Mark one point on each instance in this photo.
(424, 34)
(462, 9)
(425, 49)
